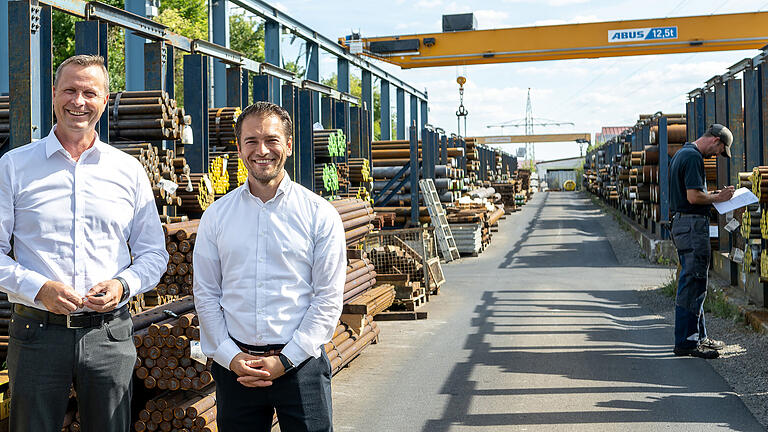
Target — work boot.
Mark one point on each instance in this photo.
(712, 344)
(698, 351)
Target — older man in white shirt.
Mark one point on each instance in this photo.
(270, 264)
(86, 237)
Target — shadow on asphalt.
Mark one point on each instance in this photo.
(625, 352)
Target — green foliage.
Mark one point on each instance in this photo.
(669, 289)
(247, 36)
(718, 305)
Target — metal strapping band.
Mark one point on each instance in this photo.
(114, 114)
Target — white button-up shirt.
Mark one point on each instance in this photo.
(73, 221)
(269, 272)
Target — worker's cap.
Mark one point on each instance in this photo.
(725, 135)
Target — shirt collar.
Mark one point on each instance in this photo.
(53, 145)
(282, 189)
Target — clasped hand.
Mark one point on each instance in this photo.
(61, 298)
(256, 371)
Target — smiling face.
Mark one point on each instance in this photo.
(79, 98)
(263, 147)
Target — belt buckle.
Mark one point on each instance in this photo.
(257, 352)
(69, 323)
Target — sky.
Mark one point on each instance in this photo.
(591, 93)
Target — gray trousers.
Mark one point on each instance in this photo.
(45, 359)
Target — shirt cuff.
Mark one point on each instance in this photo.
(295, 353)
(30, 285)
(134, 282)
(226, 352)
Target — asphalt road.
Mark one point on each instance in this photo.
(541, 332)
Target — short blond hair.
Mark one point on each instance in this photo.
(84, 60)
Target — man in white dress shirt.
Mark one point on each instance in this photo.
(73, 206)
(270, 264)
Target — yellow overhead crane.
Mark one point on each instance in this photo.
(724, 32)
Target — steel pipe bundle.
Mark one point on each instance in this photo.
(145, 115)
(359, 170)
(468, 237)
(226, 171)
(179, 411)
(357, 216)
(329, 143)
(163, 168)
(196, 193)
(328, 178)
(221, 127)
(164, 355)
(507, 191)
(346, 344)
(361, 276)
(180, 243)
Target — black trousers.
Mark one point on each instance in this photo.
(44, 360)
(302, 399)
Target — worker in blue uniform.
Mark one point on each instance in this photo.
(690, 205)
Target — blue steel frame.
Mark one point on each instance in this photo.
(414, 110)
(24, 86)
(289, 104)
(91, 38)
(134, 50)
(414, 142)
(237, 87)
(443, 149)
(220, 27)
(385, 121)
(196, 106)
(663, 177)
(723, 167)
(752, 124)
(736, 125)
(355, 140)
(304, 147)
(400, 128)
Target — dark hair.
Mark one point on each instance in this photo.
(264, 109)
(84, 60)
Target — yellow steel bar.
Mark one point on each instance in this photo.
(589, 40)
(509, 139)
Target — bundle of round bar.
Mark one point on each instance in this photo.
(165, 356)
(145, 115)
(346, 344)
(183, 411)
(179, 242)
(357, 216)
(221, 127)
(196, 194)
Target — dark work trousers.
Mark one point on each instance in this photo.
(690, 234)
(302, 399)
(44, 360)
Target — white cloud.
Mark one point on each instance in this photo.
(491, 19)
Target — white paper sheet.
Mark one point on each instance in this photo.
(741, 198)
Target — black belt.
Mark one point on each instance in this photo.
(260, 350)
(80, 320)
(680, 214)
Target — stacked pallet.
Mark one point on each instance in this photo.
(400, 266)
(221, 128)
(145, 115)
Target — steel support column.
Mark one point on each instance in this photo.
(196, 106)
(701, 118)
(46, 68)
(134, 49)
(355, 127)
(414, 175)
(91, 38)
(414, 110)
(313, 74)
(4, 54)
(220, 29)
(327, 109)
(342, 75)
(443, 150)
(663, 140)
(763, 86)
(752, 143)
(289, 104)
(366, 99)
(303, 147)
(24, 68)
(400, 121)
(736, 125)
(237, 87)
(385, 118)
(424, 113)
(721, 116)
(272, 56)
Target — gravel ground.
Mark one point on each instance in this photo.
(743, 361)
